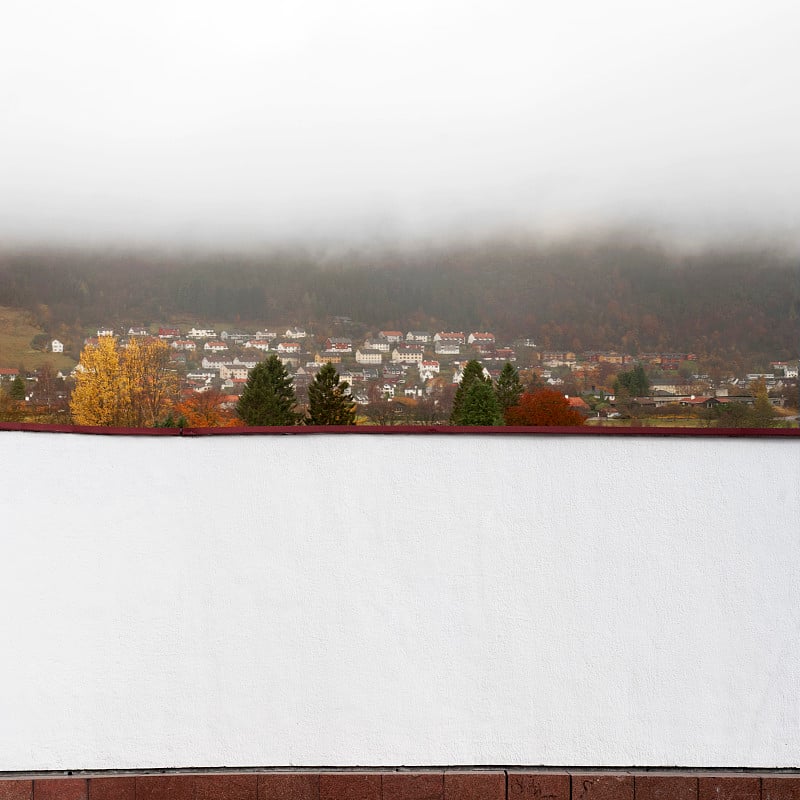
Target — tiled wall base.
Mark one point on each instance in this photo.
(402, 785)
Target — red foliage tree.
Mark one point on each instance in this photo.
(545, 407)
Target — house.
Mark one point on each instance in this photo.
(427, 369)
(450, 336)
(138, 331)
(288, 347)
(258, 344)
(391, 336)
(481, 338)
(183, 344)
(377, 344)
(788, 368)
(369, 356)
(268, 335)
(447, 347)
(408, 354)
(213, 361)
(8, 374)
(338, 344)
(56, 346)
(246, 361)
(505, 354)
(559, 358)
(215, 347)
(418, 337)
(295, 333)
(392, 371)
(230, 370)
(169, 333)
(202, 333)
(104, 332)
(327, 358)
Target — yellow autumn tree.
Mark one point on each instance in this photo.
(124, 387)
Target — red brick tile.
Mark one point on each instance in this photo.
(226, 787)
(288, 786)
(16, 790)
(164, 787)
(412, 785)
(602, 787)
(538, 786)
(780, 788)
(729, 787)
(350, 786)
(666, 787)
(59, 789)
(112, 788)
(475, 786)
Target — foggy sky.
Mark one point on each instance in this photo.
(193, 121)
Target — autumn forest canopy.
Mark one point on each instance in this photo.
(620, 295)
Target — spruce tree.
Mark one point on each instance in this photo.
(509, 388)
(268, 397)
(328, 403)
(17, 390)
(473, 371)
(480, 406)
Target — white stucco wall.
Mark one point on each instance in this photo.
(386, 600)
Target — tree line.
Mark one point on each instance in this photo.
(134, 386)
(617, 294)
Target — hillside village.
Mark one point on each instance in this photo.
(417, 367)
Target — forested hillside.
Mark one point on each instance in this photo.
(618, 295)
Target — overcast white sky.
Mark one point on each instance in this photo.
(193, 121)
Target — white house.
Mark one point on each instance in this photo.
(418, 337)
(450, 336)
(295, 333)
(369, 356)
(258, 344)
(377, 344)
(201, 333)
(56, 346)
(447, 347)
(427, 369)
(391, 336)
(215, 347)
(408, 354)
(288, 347)
(481, 338)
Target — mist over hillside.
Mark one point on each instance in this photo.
(611, 294)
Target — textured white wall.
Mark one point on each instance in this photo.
(385, 600)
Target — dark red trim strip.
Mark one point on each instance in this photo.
(383, 430)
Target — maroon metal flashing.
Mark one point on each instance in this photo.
(383, 430)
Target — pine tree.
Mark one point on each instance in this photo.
(328, 403)
(268, 397)
(17, 390)
(509, 388)
(473, 371)
(480, 406)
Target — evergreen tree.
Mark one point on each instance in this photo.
(480, 406)
(268, 397)
(17, 390)
(762, 414)
(509, 388)
(634, 383)
(473, 371)
(328, 402)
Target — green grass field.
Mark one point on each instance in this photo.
(16, 332)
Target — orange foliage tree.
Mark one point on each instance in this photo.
(544, 407)
(204, 410)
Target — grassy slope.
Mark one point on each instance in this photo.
(16, 332)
